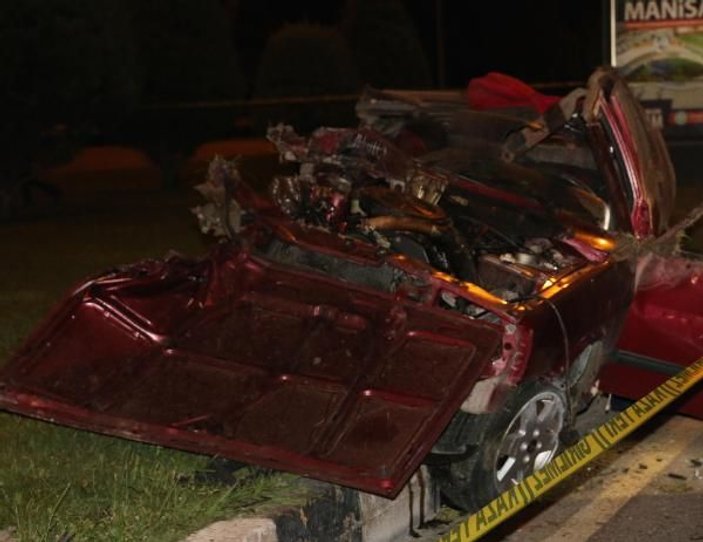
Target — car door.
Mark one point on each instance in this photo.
(663, 331)
(632, 155)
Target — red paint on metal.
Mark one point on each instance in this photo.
(665, 322)
(282, 370)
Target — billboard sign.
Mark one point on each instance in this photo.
(658, 46)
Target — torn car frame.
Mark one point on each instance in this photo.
(427, 285)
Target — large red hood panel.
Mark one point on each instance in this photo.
(236, 358)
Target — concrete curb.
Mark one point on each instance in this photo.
(331, 513)
(237, 530)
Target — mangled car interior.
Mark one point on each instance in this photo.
(442, 284)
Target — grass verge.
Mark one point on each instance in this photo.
(57, 483)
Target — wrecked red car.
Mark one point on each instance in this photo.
(442, 284)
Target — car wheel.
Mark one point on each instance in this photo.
(522, 438)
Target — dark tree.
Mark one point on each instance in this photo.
(186, 55)
(555, 41)
(256, 20)
(306, 60)
(68, 70)
(386, 45)
(185, 50)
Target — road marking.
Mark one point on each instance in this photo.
(628, 479)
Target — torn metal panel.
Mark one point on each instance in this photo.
(242, 357)
(221, 215)
(639, 154)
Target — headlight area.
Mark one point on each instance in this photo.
(503, 373)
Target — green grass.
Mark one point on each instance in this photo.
(43, 258)
(694, 38)
(57, 481)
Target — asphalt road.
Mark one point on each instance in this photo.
(649, 487)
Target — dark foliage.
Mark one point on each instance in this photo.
(186, 55)
(68, 70)
(386, 45)
(255, 20)
(306, 60)
(185, 51)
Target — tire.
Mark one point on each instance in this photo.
(520, 439)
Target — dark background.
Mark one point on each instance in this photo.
(164, 76)
(545, 41)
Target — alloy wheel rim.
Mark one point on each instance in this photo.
(531, 439)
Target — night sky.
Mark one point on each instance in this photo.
(551, 40)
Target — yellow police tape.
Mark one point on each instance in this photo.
(574, 458)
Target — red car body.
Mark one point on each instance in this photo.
(339, 343)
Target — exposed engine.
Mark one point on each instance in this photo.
(357, 184)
